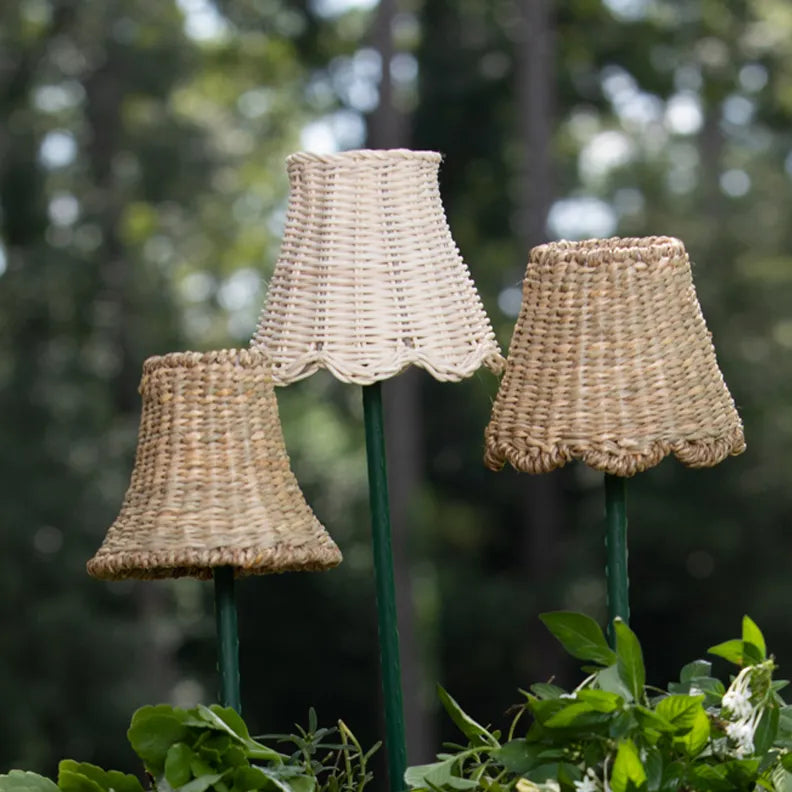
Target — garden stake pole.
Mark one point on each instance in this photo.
(386, 591)
(616, 548)
(227, 637)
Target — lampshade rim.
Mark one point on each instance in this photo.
(293, 370)
(186, 562)
(246, 357)
(615, 248)
(534, 457)
(362, 155)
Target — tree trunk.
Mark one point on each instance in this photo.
(542, 495)
(111, 323)
(535, 86)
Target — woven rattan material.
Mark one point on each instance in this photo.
(369, 280)
(611, 363)
(212, 485)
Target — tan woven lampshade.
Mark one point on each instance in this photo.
(611, 363)
(369, 280)
(212, 485)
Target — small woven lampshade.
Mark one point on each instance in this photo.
(212, 485)
(611, 363)
(369, 279)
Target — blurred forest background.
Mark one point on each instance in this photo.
(142, 197)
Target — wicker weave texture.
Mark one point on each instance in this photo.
(212, 485)
(369, 280)
(611, 362)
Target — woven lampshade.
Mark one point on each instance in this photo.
(611, 363)
(212, 485)
(369, 280)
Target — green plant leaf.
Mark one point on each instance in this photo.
(227, 721)
(594, 753)
(766, 731)
(84, 777)
(710, 686)
(544, 690)
(711, 778)
(653, 765)
(199, 767)
(457, 782)
(203, 782)
(697, 738)
(673, 774)
(738, 652)
(545, 772)
(152, 732)
(580, 635)
(568, 774)
(752, 655)
(782, 779)
(474, 731)
(249, 778)
(219, 750)
(216, 718)
(302, 784)
(232, 719)
(741, 772)
(601, 700)
(437, 774)
(698, 668)
(650, 719)
(545, 709)
(575, 713)
(608, 679)
(68, 770)
(259, 752)
(72, 781)
(277, 779)
(630, 664)
(680, 711)
(751, 634)
(627, 768)
(177, 764)
(623, 725)
(729, 650)
(24, 781)
(785, 719)
(517, 756)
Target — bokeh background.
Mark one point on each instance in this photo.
(142, 197)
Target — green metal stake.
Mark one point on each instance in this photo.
(227, 637)
(386, 591)
(616, 546)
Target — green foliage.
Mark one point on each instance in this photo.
(24, 781)
(210, 748)
(580, 636)
(613, 732)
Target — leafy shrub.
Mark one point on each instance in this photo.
(210, 749)
(613, 733)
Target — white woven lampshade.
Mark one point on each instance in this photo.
(611, 363)
(369, 279)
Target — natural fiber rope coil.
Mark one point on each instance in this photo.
(211, 485)
(611, 362)
(369, 279)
